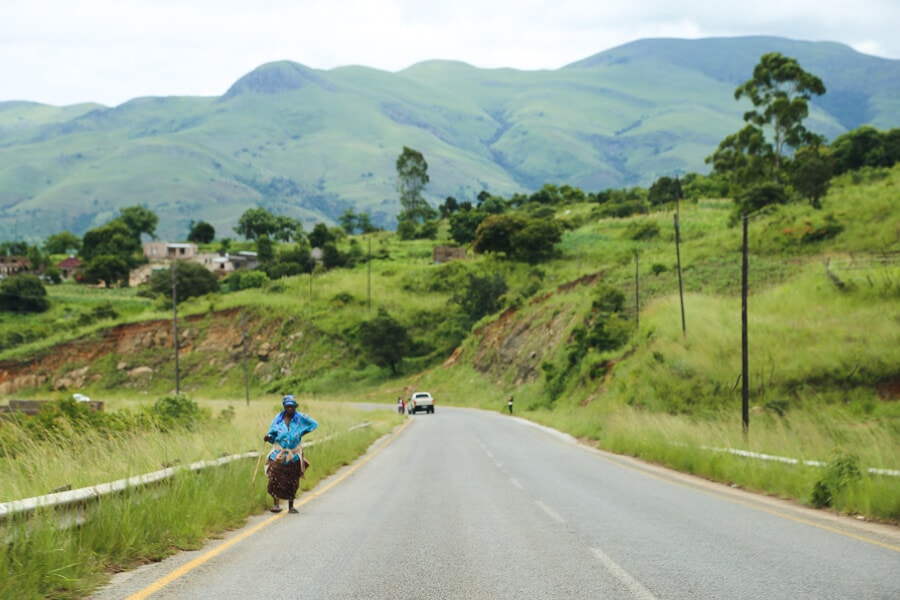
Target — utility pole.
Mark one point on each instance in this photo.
(369, 281)
(745, 361)
(175, 324)
(678, 253)
(637, 295)
(244, 344)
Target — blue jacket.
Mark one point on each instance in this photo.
(289, 437)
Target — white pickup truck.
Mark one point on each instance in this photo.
(420, 401)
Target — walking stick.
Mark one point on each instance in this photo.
(256, 469)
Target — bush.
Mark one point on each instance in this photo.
(842, 471)
(641, 230)
(178, 411)
(252, 279)
(24, 294)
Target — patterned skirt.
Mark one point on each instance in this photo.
(284, 479)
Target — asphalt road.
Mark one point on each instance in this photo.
(471, 504)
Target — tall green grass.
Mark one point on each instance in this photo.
(39, 558)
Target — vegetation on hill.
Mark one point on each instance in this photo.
(311, 144)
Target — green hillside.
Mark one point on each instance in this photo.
(590, 341)
(310, 143)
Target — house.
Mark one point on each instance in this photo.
(70, 267)
(168, 251)
(229, 263)
(13, 265)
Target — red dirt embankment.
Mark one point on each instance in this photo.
(68, 366)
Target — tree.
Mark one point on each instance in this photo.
(464, 224)
(663, 191)
(811, 172)
(412, 177)
(320, 235)
(536, 241)
(191, 280)
(37, 261)
(114, 248)
(64, 242)
(862, 147)
(348, 220)
(495, 234)
(265, 250)
(384, 340)
(201, 232)
(780, 91)
(480, 296)
(139, 220)
(256, 222)
(743, 157)
(298, 256)
(111, 269)
(23, 293)
(757, 197)
(287, 228)
(332, 257)
(364, 223)
(19, 248)
(449, 207)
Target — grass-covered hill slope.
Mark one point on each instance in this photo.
(310, 143)
(565, 338)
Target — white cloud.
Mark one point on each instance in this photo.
(61, 52)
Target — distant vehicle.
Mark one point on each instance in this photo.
(420, 401)
(81, 398)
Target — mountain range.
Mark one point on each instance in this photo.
(312, 143)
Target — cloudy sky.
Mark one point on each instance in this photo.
(109, 51)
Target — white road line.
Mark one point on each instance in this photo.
(638, 591)
(516, 483)
(550, 512)
(488, 452)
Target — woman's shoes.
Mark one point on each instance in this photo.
(275, 509)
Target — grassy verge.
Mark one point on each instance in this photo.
(40, 559)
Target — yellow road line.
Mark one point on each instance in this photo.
(305, 498)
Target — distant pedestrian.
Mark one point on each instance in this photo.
(509, 403)
(401, 405)
(286, 464)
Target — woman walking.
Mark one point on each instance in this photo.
(285, 464)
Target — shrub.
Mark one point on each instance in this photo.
(842, 471)
(177, 411)
(641, 230)
(24, 294)
(253, 279)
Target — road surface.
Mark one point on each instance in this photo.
(473, 504)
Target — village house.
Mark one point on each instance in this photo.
(13, 265)
(70, 267)
(229, 263)
(169, 251)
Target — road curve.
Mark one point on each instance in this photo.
(473, 504)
